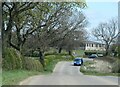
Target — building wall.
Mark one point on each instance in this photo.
(97, 47)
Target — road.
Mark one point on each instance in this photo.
(66, 74)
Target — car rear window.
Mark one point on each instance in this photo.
(77, 60)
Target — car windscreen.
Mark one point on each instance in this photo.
(76, 59)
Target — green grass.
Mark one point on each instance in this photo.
(91, 71)
(49, 69)
(55, 59)
(95, 73)
(79, 53)
(15, 76)
(0, 78)
(87, 63)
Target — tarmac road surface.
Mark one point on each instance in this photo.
(66, 74)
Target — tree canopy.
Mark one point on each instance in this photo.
(107, 32)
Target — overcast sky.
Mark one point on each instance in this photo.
(98, 12)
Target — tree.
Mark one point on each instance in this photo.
(24, 18)
(41, 22)
(58, 27)
(107, 32)
(13, 19)
(75, 33)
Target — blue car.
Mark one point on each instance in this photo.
(78, 61)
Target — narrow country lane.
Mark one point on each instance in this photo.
(67, 74)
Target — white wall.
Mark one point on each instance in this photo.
(89, 47)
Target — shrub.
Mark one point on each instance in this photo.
(31, 53)
(12, 60)
(49, 59)
(88, 53)
(32, 64)
(39, 66)
(62, 54)
(116, 66)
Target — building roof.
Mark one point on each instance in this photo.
(93, 42)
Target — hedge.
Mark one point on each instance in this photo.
(88, 53)
(12, 60)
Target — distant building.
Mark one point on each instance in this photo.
(95, 46)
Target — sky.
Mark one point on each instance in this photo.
(99, 11)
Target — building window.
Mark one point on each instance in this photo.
(99, 45)
(92, 45)
(87, 45)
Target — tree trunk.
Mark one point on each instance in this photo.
(69, 52)
(7, 39)
(106, 52)
(8, 31)
(60, 50)
(107, 49)
(41, 58)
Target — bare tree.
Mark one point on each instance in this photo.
(75, 32)
(13, 20)
(39, 22)
(107, 32)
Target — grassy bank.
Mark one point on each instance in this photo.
(52, 60)
(87, 69)
(79, 53)
(13, 77)
(50, 67)
(0, 78)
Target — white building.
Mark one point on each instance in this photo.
(95, 46)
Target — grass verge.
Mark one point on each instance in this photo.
(87, 70)
(50, 67)
(13, 77)
(95, 73)
(79, 53)
(0, 78)
(54, 59)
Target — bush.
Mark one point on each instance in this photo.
(116, 66)
(47, 54)
(32, 64)
(12, 60)
(60, 57)
(31, 53)
(49, 59)
(88, 53)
